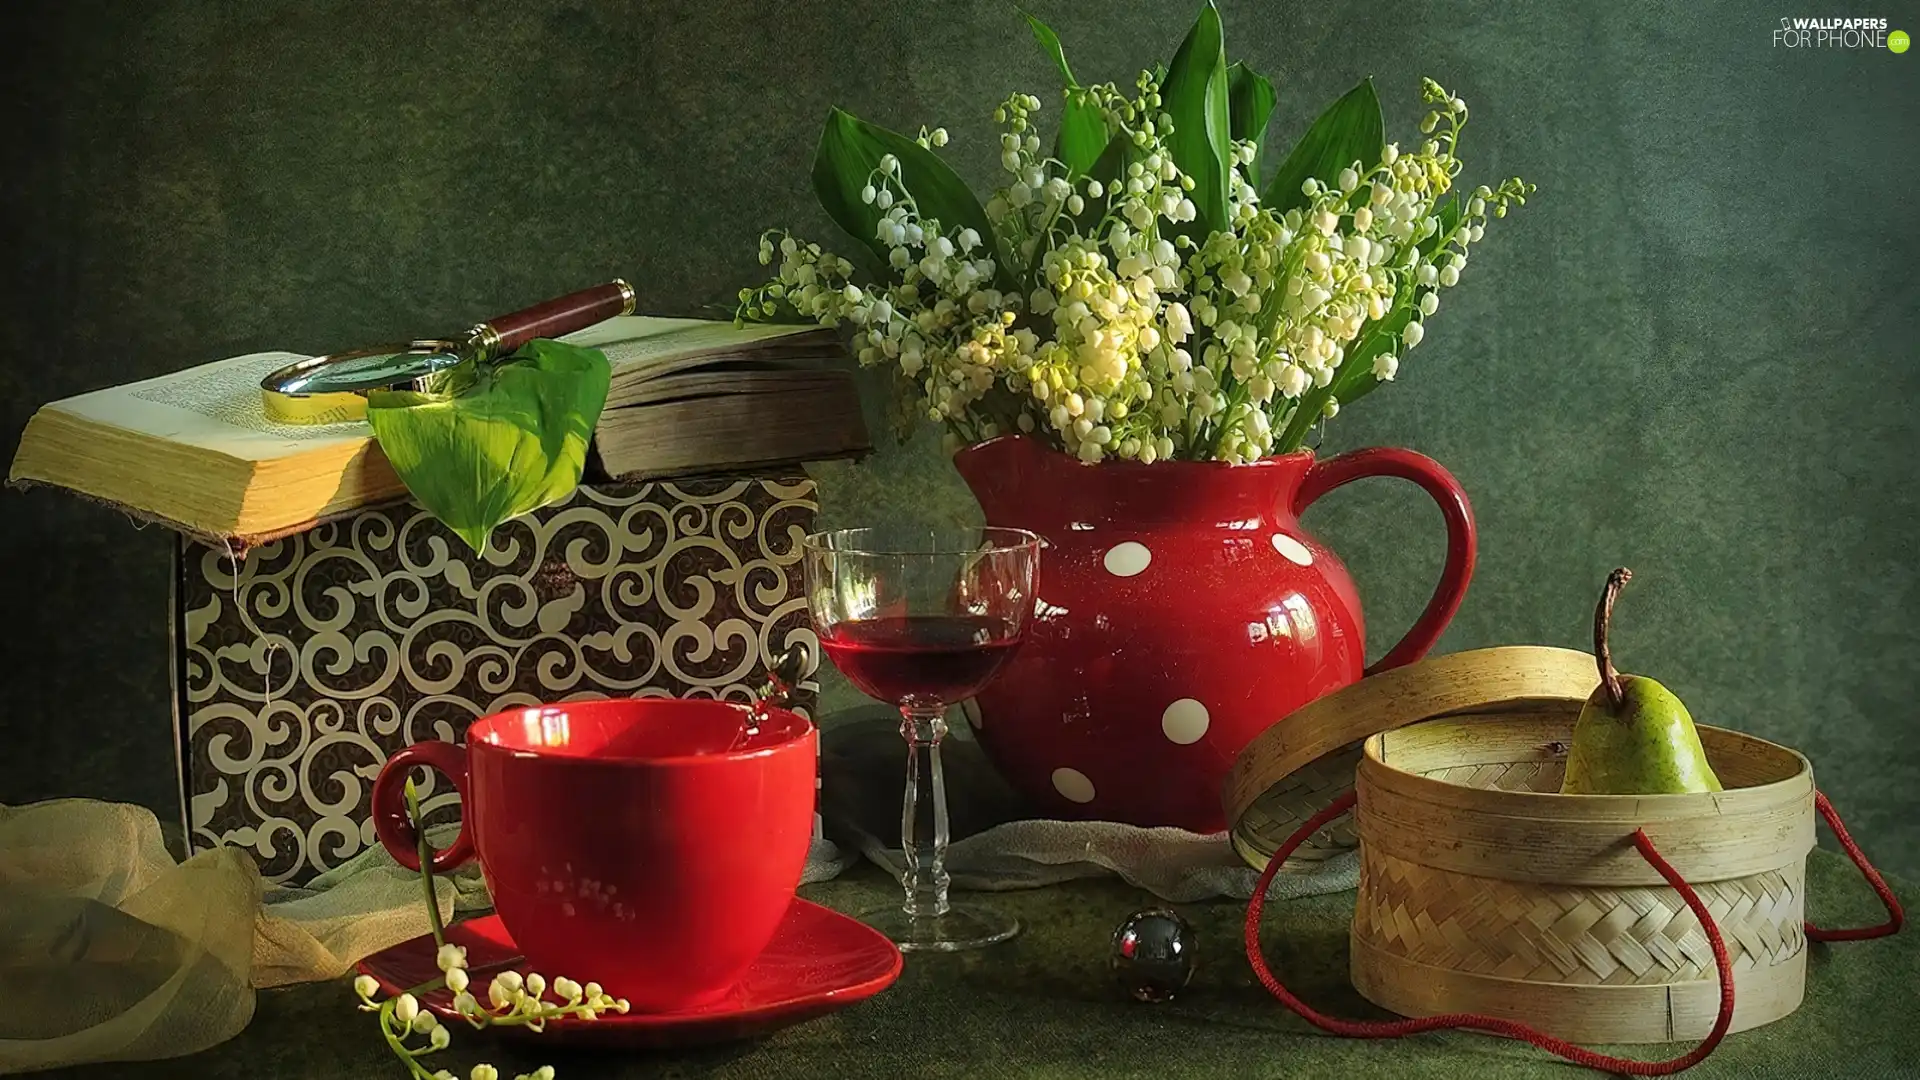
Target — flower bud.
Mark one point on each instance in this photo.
(405, 1008)
(484, 1071)
(457, 980)
(449, 957)
(423, 1022)
(366, 986)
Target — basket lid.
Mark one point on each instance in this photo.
(1305, 760)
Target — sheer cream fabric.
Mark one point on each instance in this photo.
(111, 951)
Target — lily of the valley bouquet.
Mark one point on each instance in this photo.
(1137, 288)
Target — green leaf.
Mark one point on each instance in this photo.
(1350, 130)
(1083, 134)
(1249, 105)
(1195, 96)
(1083, 129)
(511, 441)
(850, 151)
(1050, 41)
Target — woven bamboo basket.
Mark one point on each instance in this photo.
(1306, 761)
(1483, 889)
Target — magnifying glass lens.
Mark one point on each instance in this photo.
(370, 372)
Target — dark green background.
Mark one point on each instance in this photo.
(1691, 354)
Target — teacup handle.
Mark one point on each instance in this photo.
(1462, 548)
(390, 821)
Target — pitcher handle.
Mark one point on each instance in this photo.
(1462, 547)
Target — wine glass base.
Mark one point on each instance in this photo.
(960, 928)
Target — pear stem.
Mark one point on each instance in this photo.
(1602, 622)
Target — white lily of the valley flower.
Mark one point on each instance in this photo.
(502, 994)
(1090, 336)
(450, 956)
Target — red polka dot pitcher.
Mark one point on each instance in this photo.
(1181, 611)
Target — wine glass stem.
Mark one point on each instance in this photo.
(923, 812)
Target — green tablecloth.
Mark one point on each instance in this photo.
(1044, 1005)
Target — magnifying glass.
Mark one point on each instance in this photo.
(332, 389)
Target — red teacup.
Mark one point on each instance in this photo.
(647, 845)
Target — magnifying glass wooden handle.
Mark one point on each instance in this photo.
(552, 318)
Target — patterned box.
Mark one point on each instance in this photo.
(294, 680)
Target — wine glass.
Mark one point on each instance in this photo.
(922, 618)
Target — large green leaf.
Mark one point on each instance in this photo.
(513, 440)
(1083, 130)
(1250, 104)
(1195, 96)
(851, 149)
(1083, 134)
(1350, 130)
(1050, 41)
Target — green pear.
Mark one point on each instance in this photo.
(1634, 737)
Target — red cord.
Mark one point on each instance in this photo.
(1895, 917)
(1394, 1029)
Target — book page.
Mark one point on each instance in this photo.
(638, 345)
(214, 406)
(217, 406)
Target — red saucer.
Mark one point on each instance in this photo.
(819, 961)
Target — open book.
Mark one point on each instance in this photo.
(196, 451)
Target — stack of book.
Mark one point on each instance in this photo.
(674, 569)
(195, 450)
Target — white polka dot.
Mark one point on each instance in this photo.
(1185, 721)
(1073, 784)
(1294, 550)
(1128, 559)
(971, 710)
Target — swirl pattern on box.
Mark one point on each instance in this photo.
(335, 647)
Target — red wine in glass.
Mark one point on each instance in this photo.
(942, 657)
(922, 618)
